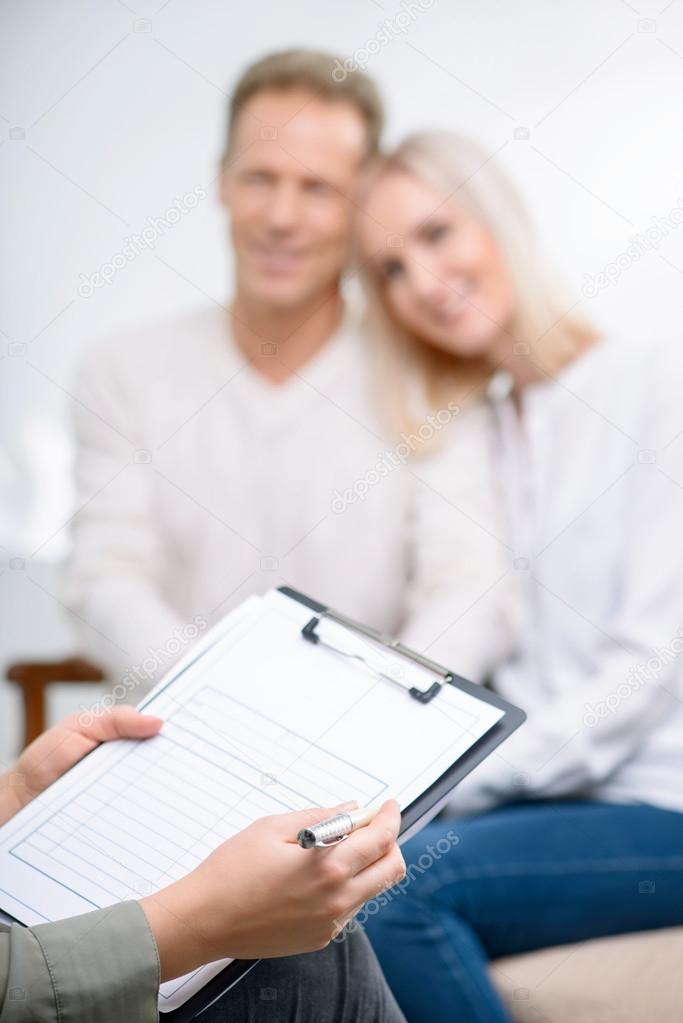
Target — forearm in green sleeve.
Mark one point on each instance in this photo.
(100, 966)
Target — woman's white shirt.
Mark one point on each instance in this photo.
(590, 477)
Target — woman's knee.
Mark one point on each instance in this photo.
(434, 854)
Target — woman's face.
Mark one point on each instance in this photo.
(438, 270)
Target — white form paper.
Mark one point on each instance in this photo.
(262, 722)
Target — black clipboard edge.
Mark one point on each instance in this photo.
(209, 994)
(421, 810)
(301, 598)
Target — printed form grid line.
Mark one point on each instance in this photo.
(100, 801)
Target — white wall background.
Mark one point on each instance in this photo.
(111, 109)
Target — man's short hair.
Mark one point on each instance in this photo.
(323, 74)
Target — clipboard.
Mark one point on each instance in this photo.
(415, 813)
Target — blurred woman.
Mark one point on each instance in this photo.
(575, 828)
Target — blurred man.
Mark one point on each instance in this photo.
(214, 449)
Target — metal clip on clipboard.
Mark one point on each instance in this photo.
(422, 696)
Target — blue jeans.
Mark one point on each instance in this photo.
(521, 877)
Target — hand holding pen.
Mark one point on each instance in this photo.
(260, 894)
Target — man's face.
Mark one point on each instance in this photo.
(287, 184)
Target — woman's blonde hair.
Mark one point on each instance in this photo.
(547, 328)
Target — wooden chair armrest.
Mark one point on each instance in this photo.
(71, 669)
(33, 677)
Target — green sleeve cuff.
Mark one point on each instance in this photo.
(100, 966)
(28, 994)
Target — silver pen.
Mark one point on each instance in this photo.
(335, 829)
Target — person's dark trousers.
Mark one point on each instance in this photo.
(341, 984)
(519, 878)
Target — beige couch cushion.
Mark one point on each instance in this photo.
(634, 978)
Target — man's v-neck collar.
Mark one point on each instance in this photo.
(312, 377)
